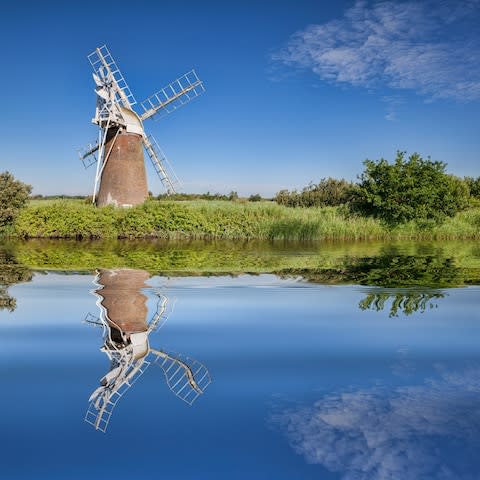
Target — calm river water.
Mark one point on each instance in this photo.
(121, 373)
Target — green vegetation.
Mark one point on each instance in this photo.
(232, 196)
(410, 199)
(329, 192)
(410, 190)
(60, 197)
(13, 197)
(224, 220)
(474, 186)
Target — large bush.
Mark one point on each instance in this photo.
(474, 186)
(13, 197)
(413, 189)
(329, 192)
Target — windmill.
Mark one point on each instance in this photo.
(120, 177)
(126, 343)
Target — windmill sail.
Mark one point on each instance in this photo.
(88, 154)
(161, 165)
(173, 96)
(106, 71)
(123, 374)
(186, 377)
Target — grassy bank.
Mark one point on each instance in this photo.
(223, 220)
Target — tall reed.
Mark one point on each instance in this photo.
(225, 220)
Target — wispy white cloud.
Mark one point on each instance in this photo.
(391, 102)
(412, 432)
(430, 47)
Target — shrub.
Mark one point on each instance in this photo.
(255, 198)
(192, 196)
(284, 197)
(413, 189)
(233, 196)
(13, 197)
(329, 192)
(474, 186)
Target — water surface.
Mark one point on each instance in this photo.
(368, 369)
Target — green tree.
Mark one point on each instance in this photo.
(329, 192)
(13, 197)
(255, 198)
(413, 189)
(287, 198)
(474, 186)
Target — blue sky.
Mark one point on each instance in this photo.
(296, 91)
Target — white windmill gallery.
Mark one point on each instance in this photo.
(120, 177)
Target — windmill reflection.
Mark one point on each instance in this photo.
(123, 318)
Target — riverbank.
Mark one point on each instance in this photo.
(224, 220)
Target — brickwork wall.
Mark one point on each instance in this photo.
(124, 180)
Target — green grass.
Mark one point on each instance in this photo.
(200, 219)
(45, 202)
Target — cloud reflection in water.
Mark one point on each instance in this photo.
(427, 431)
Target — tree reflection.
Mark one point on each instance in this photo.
(405, 301)
(423, 274)
(394, 270)
(11, 272)
(408, 283)
(123, 318)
